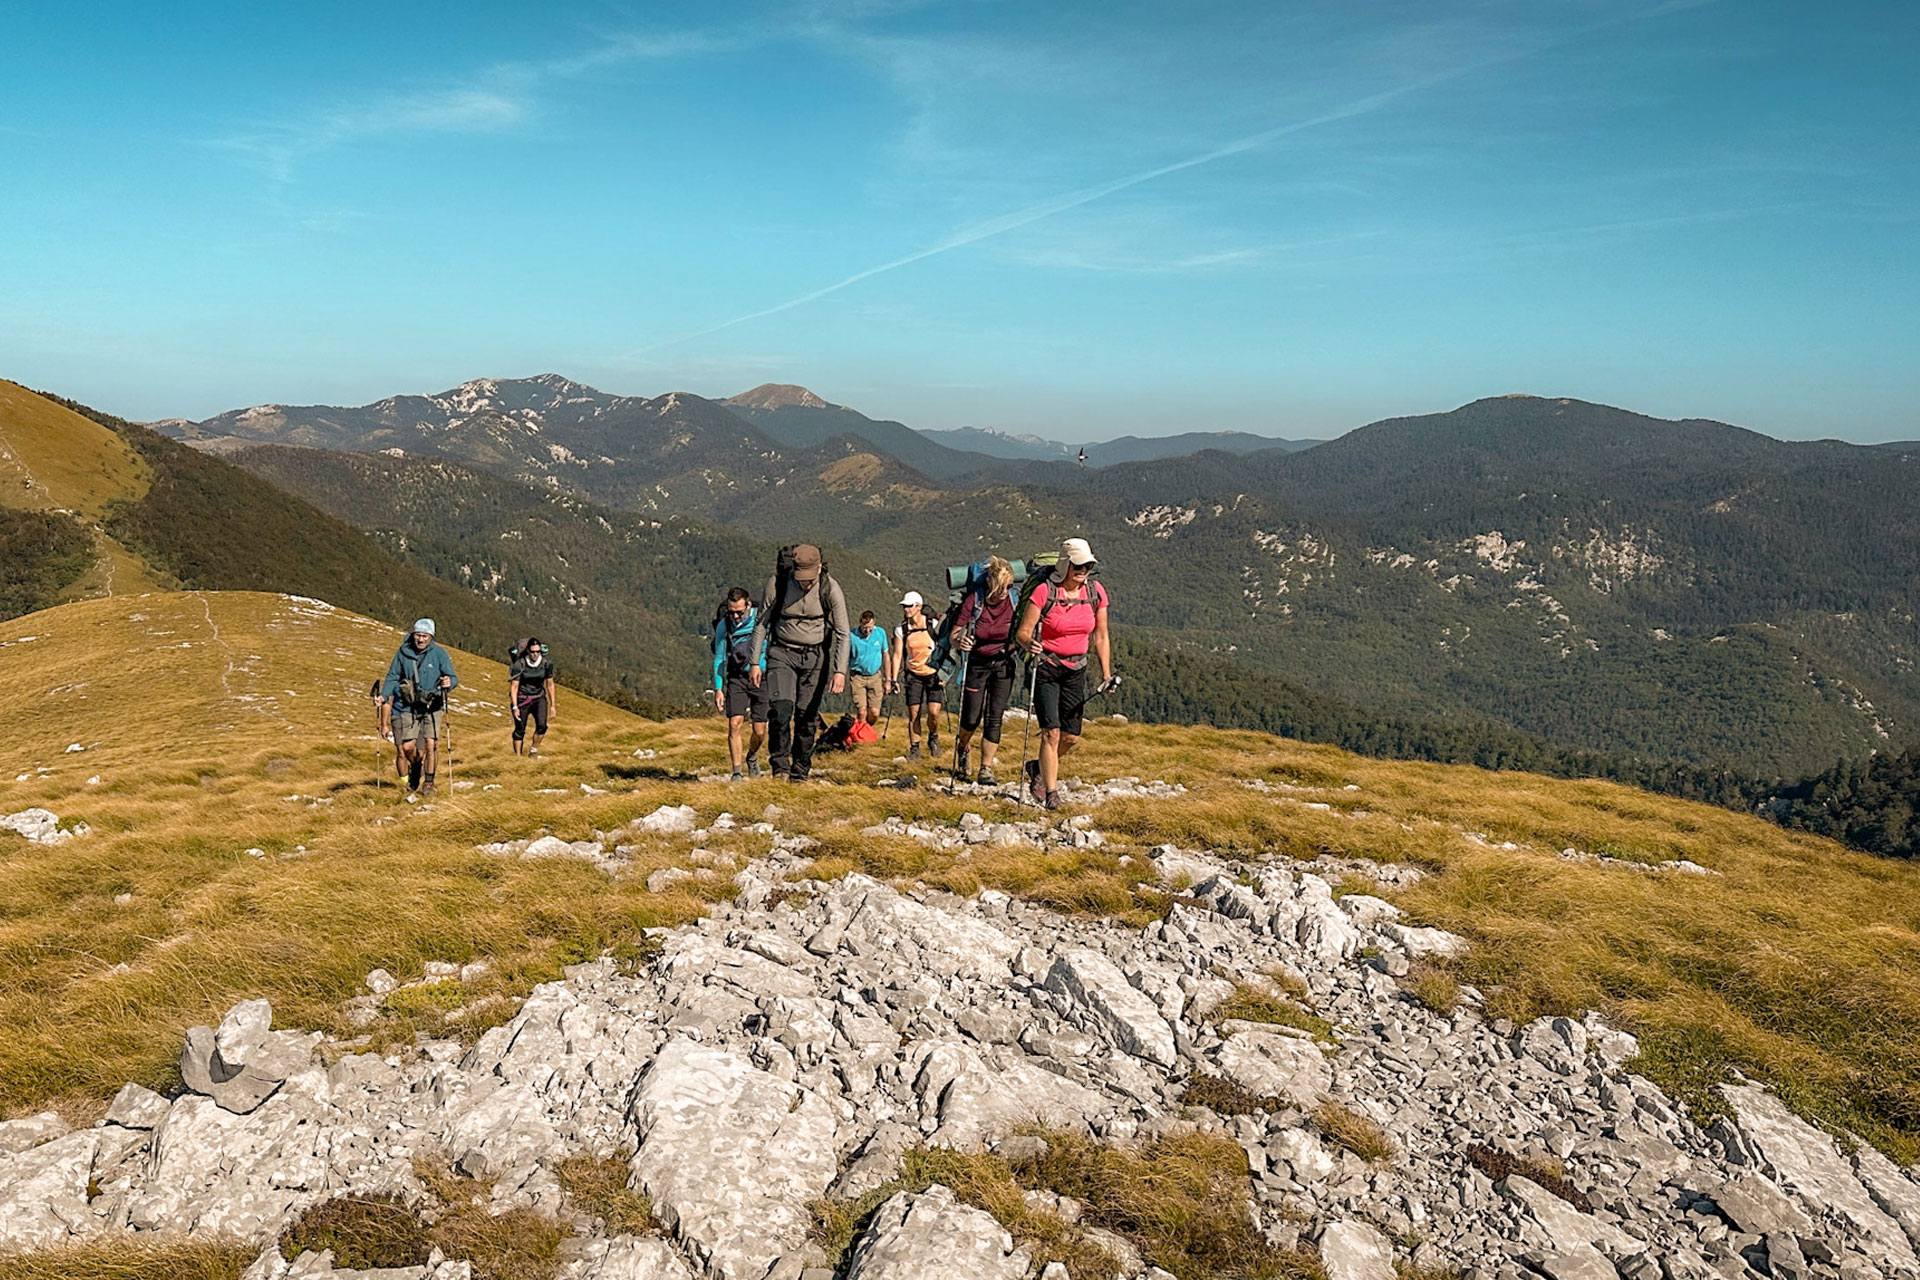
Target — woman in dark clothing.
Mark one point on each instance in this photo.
(985, 635)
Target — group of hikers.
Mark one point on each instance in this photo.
(411, 701)
(775, 662)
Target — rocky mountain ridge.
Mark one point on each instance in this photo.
(795, 1044)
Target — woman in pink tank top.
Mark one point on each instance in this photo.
(1063, 627)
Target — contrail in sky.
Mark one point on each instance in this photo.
(1087, 195)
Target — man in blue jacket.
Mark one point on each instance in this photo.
(735, 695)
(413, 697)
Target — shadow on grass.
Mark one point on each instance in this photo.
(647, 772)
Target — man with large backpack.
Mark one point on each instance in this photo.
(413, 698)
(799, 652)
(734, 695)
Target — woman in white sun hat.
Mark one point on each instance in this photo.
(913, 644)
(1065, 623)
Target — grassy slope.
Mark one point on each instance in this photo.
(205, 524)
(56, 462)
(214, 722)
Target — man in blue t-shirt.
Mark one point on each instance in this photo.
(869, 668)
(735, 695)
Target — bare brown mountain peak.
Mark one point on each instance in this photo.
(779, 395)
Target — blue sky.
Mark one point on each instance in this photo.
(1077, 219)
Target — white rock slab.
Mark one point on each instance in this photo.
(43, 1192)
(1129, 1017)
(1268, 1064)
(1807, 1164)
(1355, 1251)
(933, 1234)
(730, 1155)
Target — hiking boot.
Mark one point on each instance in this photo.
(426, 788)
(933, 744)
(913, 751)
(753, 767)
(960, 764)
(1053, 799)
(985, 778)
(1034, 785)
(414, 769)
(533, 751)
(736, 776)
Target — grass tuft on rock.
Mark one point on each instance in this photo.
(1251, 1002)
(364, 1232)
(1345, 1127)
(598, 1185)
(1433, 987)
(517, 1244)
(1548, 1172)
(1183, 1202)
(1224, 1097)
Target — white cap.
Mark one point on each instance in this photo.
(1075, 551)
(912, 597)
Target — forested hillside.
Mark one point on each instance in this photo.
(1596, 579)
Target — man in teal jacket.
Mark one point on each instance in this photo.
(734, 694)
(413, 697)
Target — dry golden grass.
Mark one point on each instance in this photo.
(514, 1244)
(1345, 1127)
(51, 457)
(1433, 987)
(1798, 964)
(128, 1260)
(598, 1186)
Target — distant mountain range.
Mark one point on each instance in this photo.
(1606, 581)
(1106, 453)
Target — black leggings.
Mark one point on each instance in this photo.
(984, 697)
(535, 711)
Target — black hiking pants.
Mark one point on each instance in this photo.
(985, 694)
(796, 685)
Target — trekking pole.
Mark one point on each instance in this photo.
(446, 718)
(886, 700)
(1026, 733)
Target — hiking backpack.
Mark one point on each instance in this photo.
(840, 735)
(782, 575)
(739, 648)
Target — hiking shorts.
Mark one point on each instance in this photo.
(867, 692)
(415, 726)
(745, 700)
(534, 710)
(1060, 697)
(922, 691)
